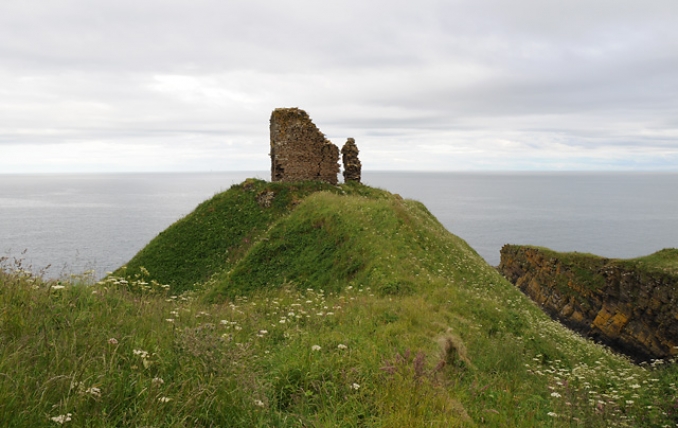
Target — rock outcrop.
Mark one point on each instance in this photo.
(629, 305)
(299, 151)
(349, 157)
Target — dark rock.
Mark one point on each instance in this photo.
(349, 157)
(632, 310)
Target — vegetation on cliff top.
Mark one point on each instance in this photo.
(663, 261)
(340, 306)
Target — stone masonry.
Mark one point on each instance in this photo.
(299, 151)
(349, 157)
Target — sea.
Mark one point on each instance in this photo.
(65, 224)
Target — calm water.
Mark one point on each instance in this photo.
(80, 222)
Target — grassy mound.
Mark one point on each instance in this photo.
(330, 241)
(347, 307)
(218, 232)
(261, 234)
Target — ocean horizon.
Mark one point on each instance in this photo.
(79, 222)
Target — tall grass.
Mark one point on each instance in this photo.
(419, 332)
(130, 354)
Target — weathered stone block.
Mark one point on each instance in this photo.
(299, 151)
(349, 157)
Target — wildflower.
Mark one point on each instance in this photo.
(315, 348)
(259, 403)
(635, 386)
(141, 353)
(62, 419)
(58, 287)
(93, 391)
(157, 381)
(555, 394)
(552, 414)
(169, 319)
(355, 386)
(263, 331)
(341, 346)
(112, 341)
(164, 399)
(629, 402)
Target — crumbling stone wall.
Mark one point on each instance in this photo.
(349, 157)
(299, 151)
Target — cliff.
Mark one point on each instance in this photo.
(630, 305)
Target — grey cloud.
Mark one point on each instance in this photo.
(457, 75)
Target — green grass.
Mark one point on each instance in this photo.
(218, 232)
(372, 315)
(664, 261)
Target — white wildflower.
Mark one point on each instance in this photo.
(93, 391)
(555, 394)
(141, 353)
(355, 386)
(62, 419)
(157, 381)
(259, 403)
(164, 399)
(315, 348)
(112, 341)
(341, 346)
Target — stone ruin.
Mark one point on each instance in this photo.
(349, 157)
(300, 152)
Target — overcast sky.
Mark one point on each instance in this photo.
(179, 85)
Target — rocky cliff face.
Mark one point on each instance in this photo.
(630, 305)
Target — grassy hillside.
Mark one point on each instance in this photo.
(665, 260)
(218, 232)
(338, 307)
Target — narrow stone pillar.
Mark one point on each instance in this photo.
(349, 157)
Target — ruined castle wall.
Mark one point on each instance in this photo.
(299, 151)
